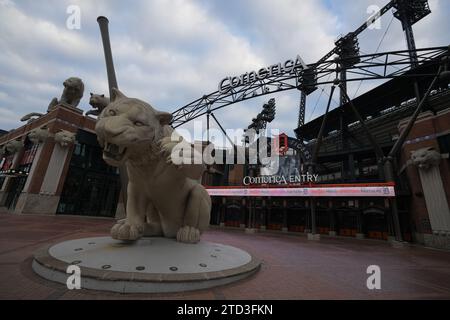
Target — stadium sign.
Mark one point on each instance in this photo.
(288, 67)
(281, 179)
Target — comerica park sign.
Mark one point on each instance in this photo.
(288, 67)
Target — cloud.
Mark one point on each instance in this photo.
(172, 52)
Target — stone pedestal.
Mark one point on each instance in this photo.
(313, 237)
(285, 230)
(391, 239)
(435, 198)
(150, 265)
(399, 244)
(437, 240)
(30, 203)
(360, 236)
(263, 228)
(332, 233)
(427, 161)
(251, 230)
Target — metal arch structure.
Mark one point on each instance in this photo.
(346, 48)
(408, 12)
(386, 65)
(348, 66)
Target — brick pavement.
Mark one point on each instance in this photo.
(293, 268)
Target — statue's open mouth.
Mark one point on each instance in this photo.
(113, 151)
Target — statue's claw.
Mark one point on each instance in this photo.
(125, 231)
(188, 235)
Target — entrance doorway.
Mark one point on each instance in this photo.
(91, 187)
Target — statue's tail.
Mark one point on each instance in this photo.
(29, 116)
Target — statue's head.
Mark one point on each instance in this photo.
(74, 86)
(129, 128)
(38, 135)
(98, 101)
(13, 146)
(425, 158)
(64, 138)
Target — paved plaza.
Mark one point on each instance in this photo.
(293, 267)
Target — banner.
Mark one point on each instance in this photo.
(353, 191)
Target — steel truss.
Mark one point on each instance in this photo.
(386, 65)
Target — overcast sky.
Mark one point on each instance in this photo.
(171, 52)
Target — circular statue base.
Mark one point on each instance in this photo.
(150, 265)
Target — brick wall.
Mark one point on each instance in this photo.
(61, 118)
(426, 130)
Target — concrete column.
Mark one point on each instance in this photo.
(56, 166)
(389, 220)
(243, 214)
(359, 225)
(389, 175)
(427, 161)
(435, 199)
(313, 235)
(223, 212)
(285, 217)
(359, 222)
(251, 213)
(269, 214)
(33, 167)
(262, 215)
(6, 183)
(47, 200)
(3, 186)
(307, 218)
(332, 214)
(251, 219)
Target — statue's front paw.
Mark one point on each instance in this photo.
(126, 231)
(188, 235)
